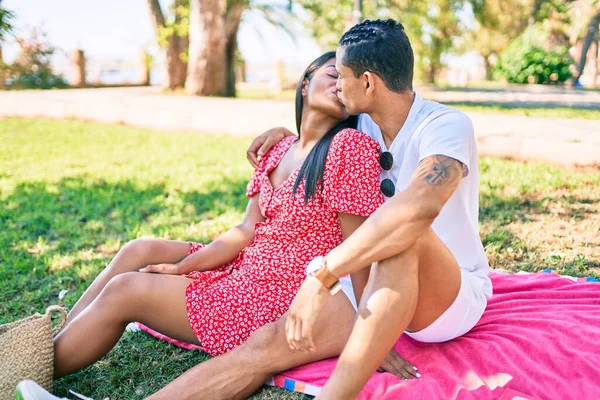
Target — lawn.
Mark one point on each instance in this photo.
(72, 193)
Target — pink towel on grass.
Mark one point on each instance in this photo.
(539, 337)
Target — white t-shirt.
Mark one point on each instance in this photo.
(432, 128)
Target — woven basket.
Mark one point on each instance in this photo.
(27, 351)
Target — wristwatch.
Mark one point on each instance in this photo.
(318, 269)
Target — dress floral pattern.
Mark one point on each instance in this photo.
(227, 304)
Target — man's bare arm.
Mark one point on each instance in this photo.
(396, 225)
(263, 143)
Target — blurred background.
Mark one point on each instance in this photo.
(264, 45)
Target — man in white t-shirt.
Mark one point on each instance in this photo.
(429, 274)
(419, 261)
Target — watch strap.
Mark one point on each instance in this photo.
(326, 277)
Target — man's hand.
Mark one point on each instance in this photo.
(305, 308)
(170, 269)
(262, 144)
(396, 365)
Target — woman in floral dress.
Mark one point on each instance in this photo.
(307, 194)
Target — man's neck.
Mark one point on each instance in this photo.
(390, 113)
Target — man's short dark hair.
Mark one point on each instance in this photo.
(381, 47)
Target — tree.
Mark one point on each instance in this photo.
(223, 34)
(534, 58)
(497, 23)
(206, 68)
(233, 18)
(32, 68)
(6, 30)
(591, 33)
(172, 37)
(431, 25)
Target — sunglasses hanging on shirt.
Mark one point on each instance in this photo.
(386, 162)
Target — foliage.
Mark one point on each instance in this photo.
(328, 19)
(439, 25)
(431, 25)
(530, 59)
(72, 193)
(497, 22)
(6, 28)
(32, 68)
(177, 24)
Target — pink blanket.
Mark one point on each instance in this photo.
(539, 337)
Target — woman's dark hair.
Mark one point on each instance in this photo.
(313, 168)
(382, 47)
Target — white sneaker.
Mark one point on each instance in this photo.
(29, 390)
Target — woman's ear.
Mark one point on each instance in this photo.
(305, 87)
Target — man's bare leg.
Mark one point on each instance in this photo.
(406, 292)
(244, 370)
(134, 255)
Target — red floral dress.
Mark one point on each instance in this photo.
(227, 304)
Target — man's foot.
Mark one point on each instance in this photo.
(29, 390)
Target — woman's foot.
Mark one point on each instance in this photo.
(29, 390)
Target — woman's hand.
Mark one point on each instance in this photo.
(396, 365)
(170, 269)
(308, 303)
(262, 144)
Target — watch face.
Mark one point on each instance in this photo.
(314, 265)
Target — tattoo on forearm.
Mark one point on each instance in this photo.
(441, 170)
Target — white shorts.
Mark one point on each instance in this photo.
(458, 319)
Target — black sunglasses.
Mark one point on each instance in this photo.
(386, 162)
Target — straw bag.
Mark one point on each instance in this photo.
(27, 351)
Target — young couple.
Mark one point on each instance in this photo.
(321, 266)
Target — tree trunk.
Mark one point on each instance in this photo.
(432, 73)
(2, 74)
(587, 42)
(597, 60)
(206, 67)
(488, 68)
(176, 68)
(232, 24)
(535, 9)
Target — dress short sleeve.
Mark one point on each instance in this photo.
(267, 163)
(257, 177)
(351, 180)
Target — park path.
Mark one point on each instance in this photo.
(563, 141)
(518, 95)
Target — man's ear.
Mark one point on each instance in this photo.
(305, 87)
(369, 82)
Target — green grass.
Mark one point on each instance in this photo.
(72, 193)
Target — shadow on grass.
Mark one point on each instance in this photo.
(506, 237)
(502, 210)
(53, 233)
(51, 237)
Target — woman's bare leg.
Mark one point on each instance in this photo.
(157, 301)
(134, 255)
